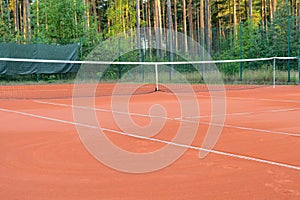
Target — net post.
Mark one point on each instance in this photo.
(298, 70)
(289, 48)
(241, 51)
(274, 72)
(156, 77)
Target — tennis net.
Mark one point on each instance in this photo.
(44, 79)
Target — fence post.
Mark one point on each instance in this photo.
(120, 59)
(274, 72)
(37, 46)
(299, 70)
(241, 51)
(289, 48)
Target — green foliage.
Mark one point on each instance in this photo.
(256, 40)
(6, 30)
(53, 22)
(59, 21)
(73, 21)
(121, 14)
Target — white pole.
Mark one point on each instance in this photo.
(156, 77)
(274, 72)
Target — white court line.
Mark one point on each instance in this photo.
(230, 114)
(245, 113)
(55, 90)
(285, 110)
(100, 109)
(154, 116)
(254, 129)
(262, 99)
(158, 140)
(256, 99)
(177, 119)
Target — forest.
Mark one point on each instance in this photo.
(228, 29)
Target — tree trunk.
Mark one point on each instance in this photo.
(16, 15)
(25, 20)
(218, 32)
(1, 10)
(169, 18)
(28, 19)
(157, 27)
(175, 25)
(20, 17)
(8, 15)
(197, 25)
(154, 10)
(235, 23)
(185, 45)
(163, 18)
(230, 11)
(190, 17)
(94, 11)
(148, 8)
(201, 13)
(160, 25)
(191, 25)
(271, 10)
(274, 7)
(250, 9)
(293, 7)
(262, 12)
(264, 18)
(159, 14)
(207, 26)
(299, 17)
(75, 18)
(99, 20)
(239, 17)
(170, 35)
(126, 17)
(37, 18)
(87, 4)
(246, 9)
(145, 31)
(138, 33)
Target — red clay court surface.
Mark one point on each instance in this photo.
(42, 156)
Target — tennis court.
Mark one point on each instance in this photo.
(138, 100)
(255, 157)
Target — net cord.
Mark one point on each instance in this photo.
(143, 63)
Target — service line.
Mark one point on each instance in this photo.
(170, 118)
(259, 160)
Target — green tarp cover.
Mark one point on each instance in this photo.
(37, 51)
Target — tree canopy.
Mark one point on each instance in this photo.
(226, 28)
